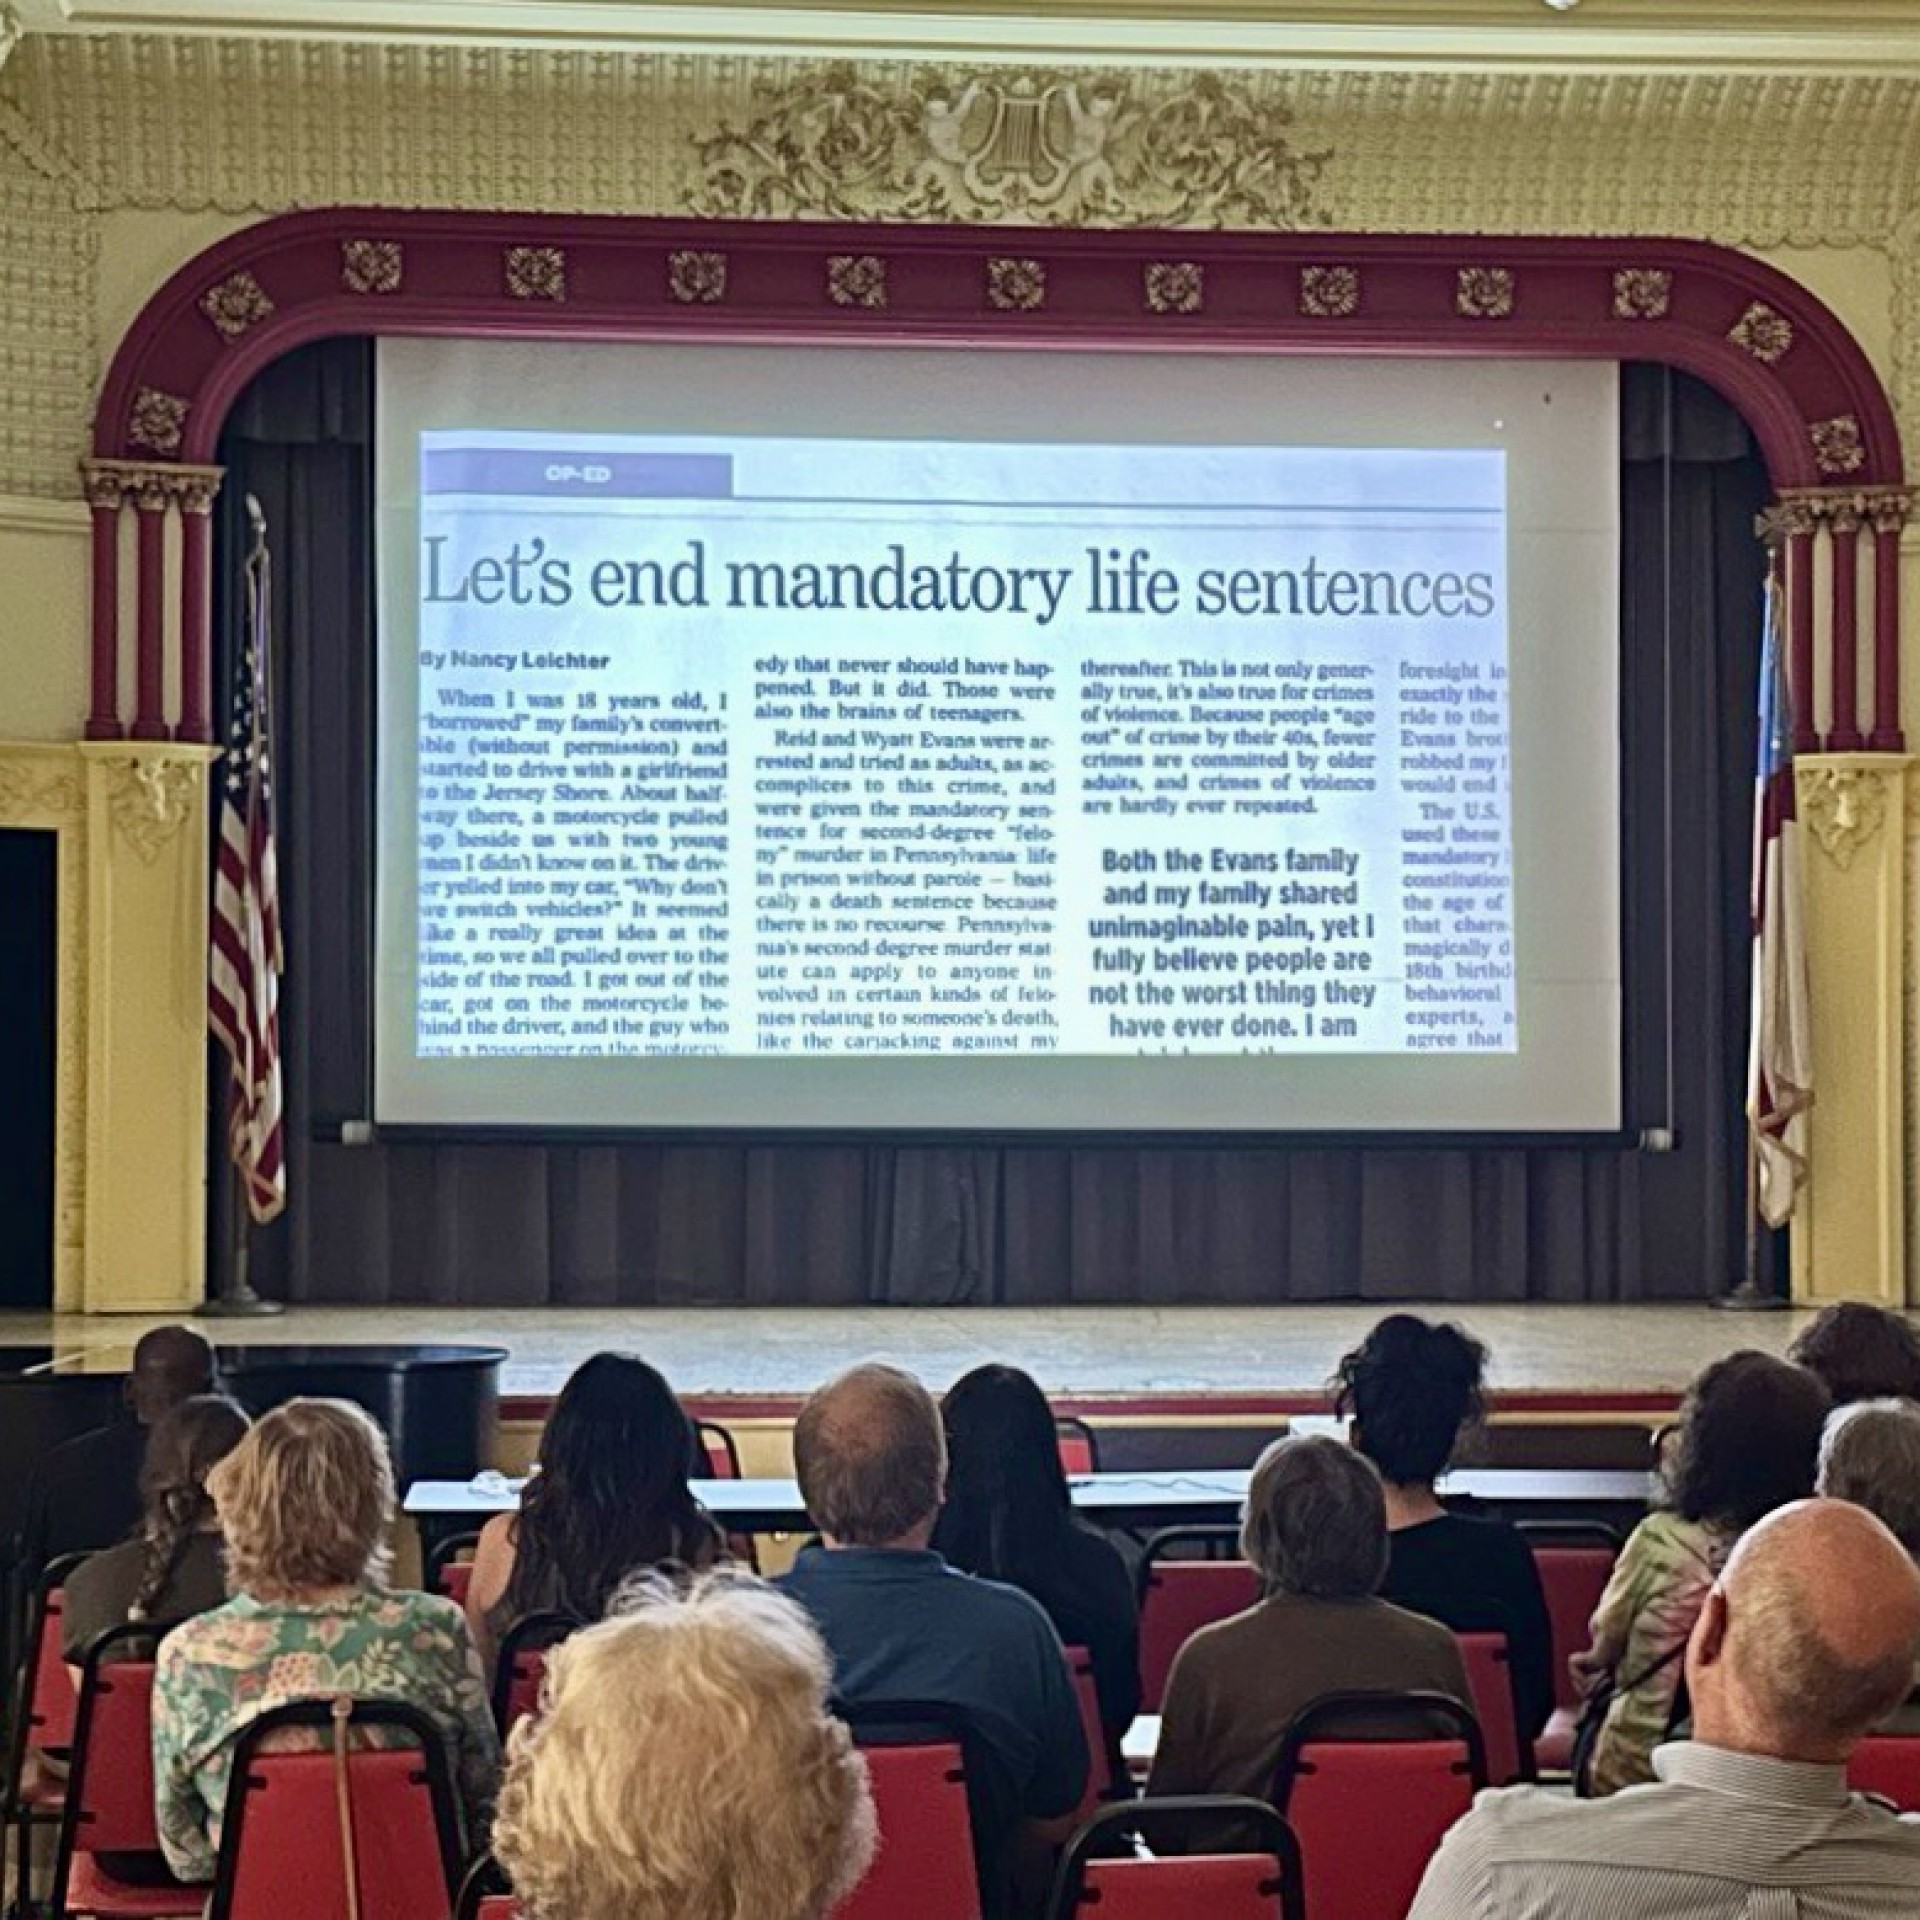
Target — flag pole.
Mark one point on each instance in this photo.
(236, 1299)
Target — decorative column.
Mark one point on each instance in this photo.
(150, 497)
(195, 491)
(1843, 542)
(146, 1025)
(1849, 1231)
(1888, 513)
(106, 489)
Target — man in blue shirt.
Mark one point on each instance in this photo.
(904, 1626)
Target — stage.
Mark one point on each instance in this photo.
(1221, 1356)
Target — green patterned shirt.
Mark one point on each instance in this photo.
(220, 1672)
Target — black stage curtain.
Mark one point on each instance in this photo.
(513, 1224)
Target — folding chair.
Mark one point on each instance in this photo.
(1489, 1664)
(450, 1567)
(1888, 1764)
(1369, 1787)
(1575, 1559)
(484, 1893)
(1101, 1785)
(109, 1807)
(522, 1665)
(721, 1456)
(918, 1765)
(1179, 1596)
(1258, 1880)
(1079, 1450)
(44, 1705)
(292, 1842)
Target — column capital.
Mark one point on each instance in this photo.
(1846, 509)
(150, 484)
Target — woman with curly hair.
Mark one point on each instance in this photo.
(609, 1499)
(305, 1502)
(686, 1767)
(1747, 1442)
(175, 1565)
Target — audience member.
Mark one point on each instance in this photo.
(904, 1626)
(175, 1566)
(609, 1499)
(1861, 1352)
(1748, 1437)
(1316, 1532)
(1870, 1454)
(686, 1767)
(1410, 1389)
(305, 1502)
(1803, 1645)
(85, 1493)
(1009, 1516)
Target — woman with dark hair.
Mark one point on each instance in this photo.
(1748, 1441)
(173, 1567)
(1861, 1352)
(1410, 1388)
(1008, 1517)
(608, 1499)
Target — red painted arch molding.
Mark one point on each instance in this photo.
(1815, 405)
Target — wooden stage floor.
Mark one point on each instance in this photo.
(1085, 1351)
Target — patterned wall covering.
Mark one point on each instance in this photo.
(191, 125)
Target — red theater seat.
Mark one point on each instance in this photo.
(283, 1846)
(1079, 1450)
(43, 1722)
(1888, 1764)
(522, 1665)
(109, 1800)
(1490, 1674)
(450, 1570)
(1180, 1596)
(1100, 1782)
(1369, 1783)
(924, 1870)
(1575, 1559)
(1261, 1882)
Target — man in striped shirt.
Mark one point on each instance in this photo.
(1806, 1642)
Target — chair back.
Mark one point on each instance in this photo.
(283, 1841)
(1086, 1693)
(450, 1567)
(917, 1765)
(718, 1450)
(1888, 1764)
(1261, 1880)
(522, 1665)
(1575, 1560)
(1370, 1782)
(1079, 1450)
(484, 1893)
(48, 1701)
(1489, 1666)
(1179, 1596)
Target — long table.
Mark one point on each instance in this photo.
(1208, 1497)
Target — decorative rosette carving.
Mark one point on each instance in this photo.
(536, 273)
(857, 280)
(1176, 286)
(158, 421)
(372, 266)
(1837, 445)
(236, 304)
(1483, 293)
(1763, 333)
(1016, 286)
(1329, 293)
(697, 277)
(1642, 293)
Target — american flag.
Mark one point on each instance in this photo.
(244, 994)
(1780, 1049)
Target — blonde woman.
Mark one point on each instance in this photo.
(686, 1768)
(305, 1502)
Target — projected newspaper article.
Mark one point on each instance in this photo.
(754, 746)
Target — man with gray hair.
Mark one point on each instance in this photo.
(1316, 1532)
(902, 1625)
(1805, 1643)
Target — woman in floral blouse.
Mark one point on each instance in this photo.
(305, 1502)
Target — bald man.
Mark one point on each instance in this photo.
(85, 1493)
(902, 1625)
(1805, 1644)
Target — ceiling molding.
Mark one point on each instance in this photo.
(1714, 36)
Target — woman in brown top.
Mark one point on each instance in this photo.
(1316, 1531)
(610, 1499)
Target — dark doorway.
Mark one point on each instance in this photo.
(27, 1015)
